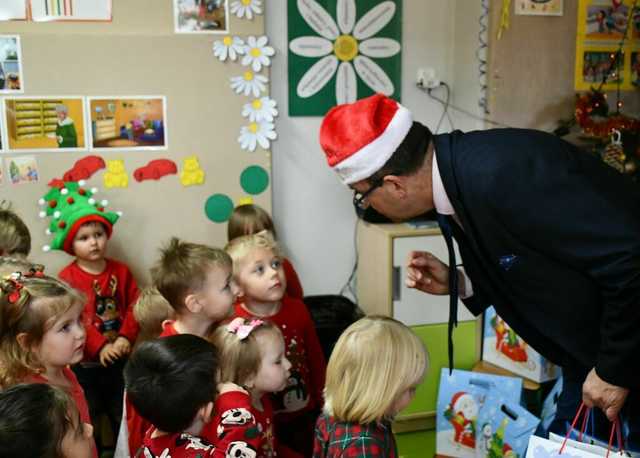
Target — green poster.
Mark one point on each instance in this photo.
(341, 51)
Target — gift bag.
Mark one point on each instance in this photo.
(550, 406)
(460, 397)
(545, 448)
(504, 428)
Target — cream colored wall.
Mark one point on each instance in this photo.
(139, 54)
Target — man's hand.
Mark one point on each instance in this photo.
(598, 393)
(427, 273)
(108, 354)
(122, 345)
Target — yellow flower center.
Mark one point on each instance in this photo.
(246, 2)
(257, 104)
(227, 41)
(253, 127)
(345, 48)
(248, 76)
(255, 52)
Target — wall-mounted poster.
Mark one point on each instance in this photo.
(341, 55)
(635, 69)
(11, 76)
(44, 123)
(22, 169)
(605, 20)
(70, 10)
(539, 7)
(128, 122)
(13, 10)
(201, 16)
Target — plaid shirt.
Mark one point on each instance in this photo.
(335, 439)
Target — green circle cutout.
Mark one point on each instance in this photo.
(218, 208)
(254, 179)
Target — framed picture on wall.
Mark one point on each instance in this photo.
(539, 7)
(127, 122)
(13, 10)
(42, 124)
(599, 65)
(11, 76)
(635, 68)
(70, 10)
(602, 20)
(201, 16)
(22, 169)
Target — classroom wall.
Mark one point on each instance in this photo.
(139, 54)
(312, 210)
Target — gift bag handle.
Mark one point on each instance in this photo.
(615, 427)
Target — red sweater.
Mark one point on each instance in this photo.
(179, 445)
(76, 392)
(294, 287)
(108, 312)
(303, 350)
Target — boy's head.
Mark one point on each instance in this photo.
(150, 310)
(257, 267)
(73, 210)
(195, 279)
(172, 381)
(90, 241)
(248, 219)
(15, 239)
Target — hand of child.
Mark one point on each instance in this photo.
(228, 386)
(122, 345)
(108, 354)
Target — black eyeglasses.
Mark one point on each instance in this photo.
(359, 197)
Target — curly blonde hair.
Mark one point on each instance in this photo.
(29, 306)
(240, 247)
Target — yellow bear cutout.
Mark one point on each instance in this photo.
(116, 175)
(191, 173)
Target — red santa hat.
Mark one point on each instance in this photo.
(458, 398)
(358, 138)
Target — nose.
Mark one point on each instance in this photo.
(235, 289)
(287, 364)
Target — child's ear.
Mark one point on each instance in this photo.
(23, 340)
(206, 412)
(192, 303)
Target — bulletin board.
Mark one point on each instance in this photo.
(138, 54)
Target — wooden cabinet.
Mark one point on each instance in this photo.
(382, 254)
(105, 129)
(32, 118)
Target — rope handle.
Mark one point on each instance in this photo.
(615, 427)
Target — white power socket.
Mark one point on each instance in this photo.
(427, 77)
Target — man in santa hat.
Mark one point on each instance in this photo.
(548, 234)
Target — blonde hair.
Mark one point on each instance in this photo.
(150, 310)
(29, 305)
(373, 362)
(183, 268)
(240, 247)
(248, 219)
(15, 239)
(240, 358)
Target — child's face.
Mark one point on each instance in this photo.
(274, 365)
(78, 440)
(261, 276)
(63, 343)
(90, 242)
(218, 293)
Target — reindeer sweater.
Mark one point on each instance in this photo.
(108, 312)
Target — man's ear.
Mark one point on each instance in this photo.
(397, 185)
(192, 303)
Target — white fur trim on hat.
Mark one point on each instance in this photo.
(370, 158)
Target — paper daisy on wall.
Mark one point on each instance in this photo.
(246, 8)
(262, 109)
(338, 61)
(257, 53)
(249, 83)
(228, 47)
(256, 133)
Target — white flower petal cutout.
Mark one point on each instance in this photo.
(346, 84)
(346, 13)
(318, 19)
(374, 20)
(373, 75)
(311, 46)
(317, 76)
(379, 47)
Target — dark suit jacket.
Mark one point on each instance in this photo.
(572, 225)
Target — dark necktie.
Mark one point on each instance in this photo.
(445, 227)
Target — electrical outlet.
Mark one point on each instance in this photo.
(427, 77)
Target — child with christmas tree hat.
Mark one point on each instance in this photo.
(80, 225)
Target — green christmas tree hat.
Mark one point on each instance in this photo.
(70, 205)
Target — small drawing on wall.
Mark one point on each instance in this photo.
(200, 16)
(44, 123)
(22, 169)
(539, 7)
(137, 122)
(11, 76)
(70, 10)
(605, 20)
